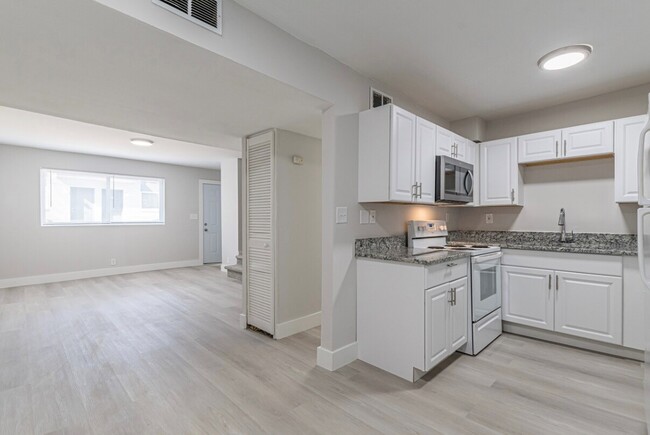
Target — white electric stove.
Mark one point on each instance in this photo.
(427, 237)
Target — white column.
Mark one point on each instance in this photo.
(229, 211)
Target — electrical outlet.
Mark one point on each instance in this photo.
(489, 218)
(364, 217)
(113, 261)
(373, 217)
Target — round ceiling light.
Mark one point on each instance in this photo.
(142, 142)
(565, 57)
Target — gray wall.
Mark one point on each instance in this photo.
(27, 249)
(585, 189)
(298, 196)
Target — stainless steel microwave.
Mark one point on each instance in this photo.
(454, 181)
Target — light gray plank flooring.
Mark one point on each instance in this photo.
(162, 352)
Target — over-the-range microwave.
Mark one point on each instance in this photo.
(454, 181)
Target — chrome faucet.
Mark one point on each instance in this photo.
(562, 223)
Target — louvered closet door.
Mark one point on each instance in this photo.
(260, 265)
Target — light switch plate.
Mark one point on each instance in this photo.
(373, 217)
(489, 218)
(341, 215)
(364, 217)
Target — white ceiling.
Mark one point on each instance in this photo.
(466, 58)
(80, 60)
(23, 128)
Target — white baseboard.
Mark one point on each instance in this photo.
(579, 342)
(243, 321)
(334, 360)
(94, 273)
(285, 329)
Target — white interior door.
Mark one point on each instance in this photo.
(260, 281)
(211, 223)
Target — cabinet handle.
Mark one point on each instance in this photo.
(512, 195)
(557, 283)
(451, 296)
(564, 147)
(549, 282)
(414, 191)
(418, 190)
(556, 148)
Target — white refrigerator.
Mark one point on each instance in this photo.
(643, 237)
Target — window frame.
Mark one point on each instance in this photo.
(108, 200)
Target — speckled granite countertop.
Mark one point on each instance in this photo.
(394, 249)
(584, 243)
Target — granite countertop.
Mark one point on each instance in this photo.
(583, 243)
(394, 249)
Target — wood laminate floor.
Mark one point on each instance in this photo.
(161, 352)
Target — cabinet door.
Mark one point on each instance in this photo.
(539, 147)
(425, 161)
(402, 156)
(444, 141)
(589, 306)
(460, 150)
(588, 140)
(458, 317)
(499, 172)
(528, 296)
(436, 320)
(626, 151)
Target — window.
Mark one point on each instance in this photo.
(82, 198)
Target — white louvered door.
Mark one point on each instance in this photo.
(260, 279)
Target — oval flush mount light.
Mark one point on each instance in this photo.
(565, 57)
(142, 142)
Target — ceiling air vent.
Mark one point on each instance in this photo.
(205, 13)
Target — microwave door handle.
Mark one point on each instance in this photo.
(469, 176)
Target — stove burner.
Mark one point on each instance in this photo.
(461, 248)
(435, 247)
(480, 246)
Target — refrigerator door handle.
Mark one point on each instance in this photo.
(643, 200)
(641, 245)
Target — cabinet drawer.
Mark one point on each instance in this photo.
(445, 272)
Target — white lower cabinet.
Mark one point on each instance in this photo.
(528, 296)
(446, 320)
(411, 317)
(587, 305)
(437, 318)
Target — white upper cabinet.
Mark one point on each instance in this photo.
(588, 140)
(402, 156)
(444, 142)
(387, 155)
(425, 160)
(626, 153)
(539, 147)
(589, 306)
(500, 179)
(574, 142)
(452, 145)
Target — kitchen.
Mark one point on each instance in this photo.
(423, 296)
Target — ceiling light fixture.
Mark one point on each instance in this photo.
(565, 57)
(142, 142)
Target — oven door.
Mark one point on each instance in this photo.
(486, 285)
